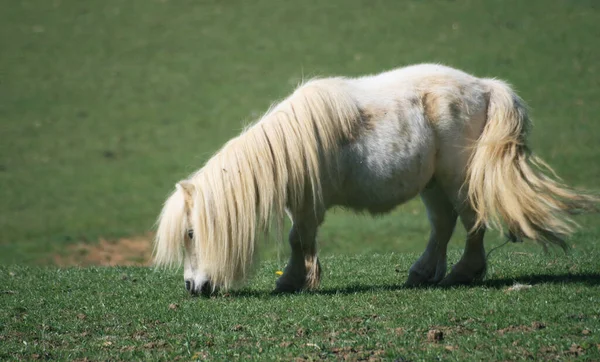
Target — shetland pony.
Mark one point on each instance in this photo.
(369, 143)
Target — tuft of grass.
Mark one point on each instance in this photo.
(362, 311)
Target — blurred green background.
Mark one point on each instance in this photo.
(104, 105)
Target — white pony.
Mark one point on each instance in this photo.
(368, 143)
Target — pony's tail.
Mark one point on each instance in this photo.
(508, 184)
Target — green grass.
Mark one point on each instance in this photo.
(361, 311)
(104, 105)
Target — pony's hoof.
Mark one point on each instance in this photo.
(416, 279)
(454, 280)
(464, 274)
(285, 287)
(286, 290)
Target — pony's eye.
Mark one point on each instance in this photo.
(190, 234)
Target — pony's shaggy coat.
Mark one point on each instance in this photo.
(367, 143)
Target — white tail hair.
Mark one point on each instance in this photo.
(276, 163)
(507, 183)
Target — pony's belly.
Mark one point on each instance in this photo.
(381, 195)
(376, 203)
(380, 184)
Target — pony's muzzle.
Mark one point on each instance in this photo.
(205, 289)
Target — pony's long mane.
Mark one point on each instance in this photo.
(276, 163)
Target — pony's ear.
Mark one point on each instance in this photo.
(187, 188)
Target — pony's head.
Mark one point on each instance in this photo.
(175, 239)
(198, 226)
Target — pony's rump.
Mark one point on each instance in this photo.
(509, 184)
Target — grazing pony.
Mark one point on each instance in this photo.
(369, 143)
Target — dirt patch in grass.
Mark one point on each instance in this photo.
(522, 328)
(356, 353)
(135, 250)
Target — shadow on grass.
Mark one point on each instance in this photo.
(590, 279)
(351, 289)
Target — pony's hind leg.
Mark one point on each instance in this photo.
(431, 266)
(303, 271)
(472, 264)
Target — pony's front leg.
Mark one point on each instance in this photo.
(430, 268)
(303, 271)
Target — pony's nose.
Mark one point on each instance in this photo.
(206, 289)
(189, 285)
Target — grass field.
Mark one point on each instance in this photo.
(105, 105)
(361, 313)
